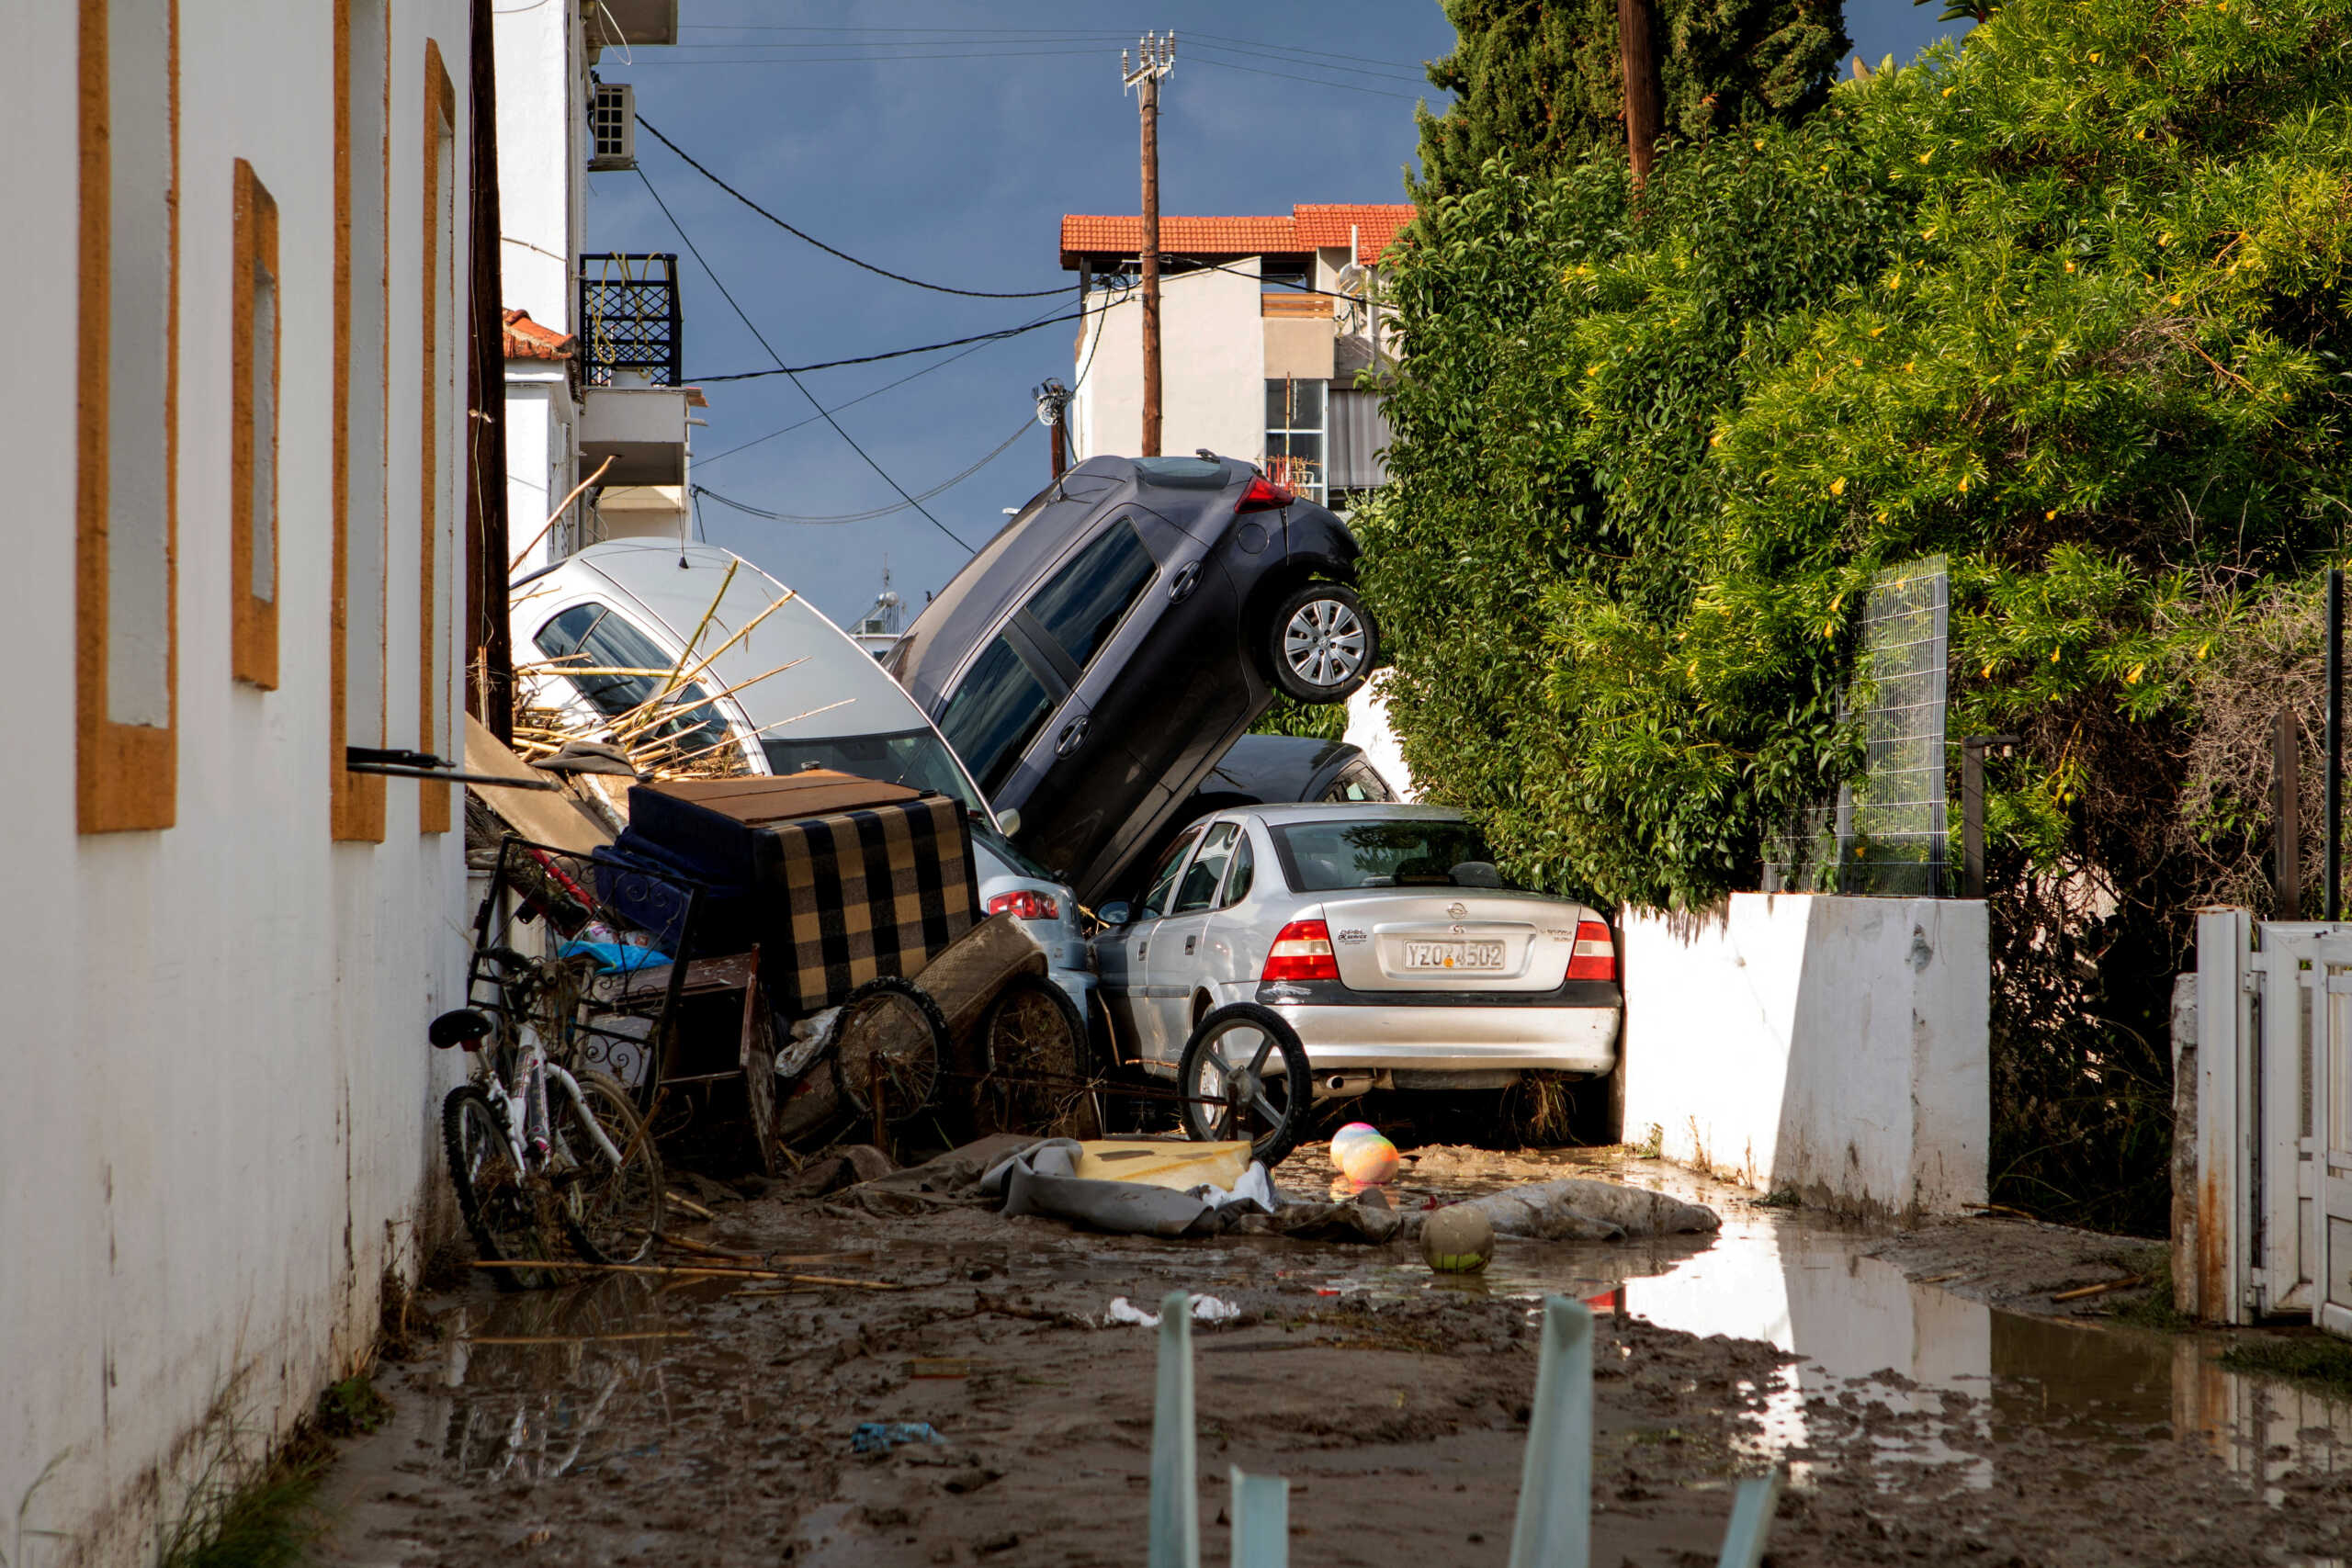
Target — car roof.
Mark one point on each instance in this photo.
(1277, 767)
(1346, 811)
(827, 666)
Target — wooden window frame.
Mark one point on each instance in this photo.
(356, 801)
(126, 775)
(438, 256)
(253, 618)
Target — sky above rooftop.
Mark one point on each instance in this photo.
(944, 142)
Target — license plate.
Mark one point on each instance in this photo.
(1453, 955)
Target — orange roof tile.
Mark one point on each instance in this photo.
(1309, 227)
(525, 339)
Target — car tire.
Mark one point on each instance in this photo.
(1321, 643)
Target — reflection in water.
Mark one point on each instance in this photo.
(1861, 1327)
(549, 1382)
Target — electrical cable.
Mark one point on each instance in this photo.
(890, 353)
(868, 516)
(811, 239)
(1317, 81)
(851, 403)
(745, 318)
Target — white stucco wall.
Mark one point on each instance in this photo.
(220, 1123)
(542, 158)
(539, 460)
(1838, 1046)
(1213, 377)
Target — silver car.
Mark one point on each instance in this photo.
(1381, 934)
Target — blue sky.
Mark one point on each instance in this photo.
(944, 140)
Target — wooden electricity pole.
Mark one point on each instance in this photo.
(1637, 47)
(1156, 58)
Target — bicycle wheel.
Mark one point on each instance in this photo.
(890, 1043)
(611, 1212)
(507, 1210)
(1034, 1046)
(1230, 1063)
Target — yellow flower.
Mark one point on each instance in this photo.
(2132, 677)
(2207, 647)
(1837, 486)
(1963, 484)
(1716, 439)
(1759, 144)
(1895, 283)
(1986, 673)
(2094, 57)
(1592, 370)
(1875, 331)
(2070, 267)
(1929, 233)
(2176, 299)
(2163, 239)
(1910, 363)
(1928, 154)
(2050, 515)
(2054, 656)
(1947, 92)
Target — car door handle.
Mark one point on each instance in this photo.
(1181, 586)
(1189, 944)
(1073, 733)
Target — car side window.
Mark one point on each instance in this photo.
(1081, 605)
(1239, 874)
(1154, 903)
(1358, 783)
(995, 711)
(1199, 888)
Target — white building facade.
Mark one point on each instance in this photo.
(591, 341)
(1266, 325)
(243, 542)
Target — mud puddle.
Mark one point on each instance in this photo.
(1864, 1334)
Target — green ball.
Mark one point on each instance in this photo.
(1457, 1240)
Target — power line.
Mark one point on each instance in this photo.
(753, 328)
(828, 250)
(1317, 81)
(851, 403)
(868, 516)
(783, 369)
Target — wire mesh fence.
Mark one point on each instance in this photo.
(1887, 833)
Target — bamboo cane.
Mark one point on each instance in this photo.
(557, 512)
(672, 1271)
(703, 625)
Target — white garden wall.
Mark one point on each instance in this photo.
(1835, 1046)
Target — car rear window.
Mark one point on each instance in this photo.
(1333, 857)
(592, 638)
(1081, 604)
(994, 713)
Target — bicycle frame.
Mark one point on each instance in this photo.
(529, 1135)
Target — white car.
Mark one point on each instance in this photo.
(1381, 934)
(633, 604)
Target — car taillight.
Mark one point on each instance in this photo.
(1265, 496)
(1026, 905)
(1595, 957)
(1302, 951)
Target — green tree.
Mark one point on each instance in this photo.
(1541, 82)
(2066, 304)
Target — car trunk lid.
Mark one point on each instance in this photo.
(1450, 939)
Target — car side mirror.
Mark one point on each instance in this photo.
(1115, 914)
(1009, 822)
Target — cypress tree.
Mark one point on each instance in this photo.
(1540, 79)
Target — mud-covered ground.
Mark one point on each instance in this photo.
(648, 1420)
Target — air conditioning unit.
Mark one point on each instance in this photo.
(611, 125)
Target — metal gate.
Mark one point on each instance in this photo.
(2270, 1232)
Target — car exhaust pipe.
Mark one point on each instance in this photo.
(1342, 1086)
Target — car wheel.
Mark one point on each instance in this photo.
(1321, 643)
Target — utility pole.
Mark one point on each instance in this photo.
(1156, 58)
(1053, 412)
(1643, 115)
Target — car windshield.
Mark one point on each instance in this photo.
(1335, 857)
(915, 758)
(618, 669)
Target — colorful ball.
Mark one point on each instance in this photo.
(1363, 1156)
(1457, 1240)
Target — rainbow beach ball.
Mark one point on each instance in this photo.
(1363, 1156)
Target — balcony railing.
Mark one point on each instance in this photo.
(629, 319)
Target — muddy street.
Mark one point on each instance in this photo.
(634, 1419)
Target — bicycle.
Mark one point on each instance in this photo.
(544, 1157)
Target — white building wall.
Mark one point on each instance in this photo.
(221, 1116)
(1838, 1046)
(1213, 360)
(542, 157)
(541, 451)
